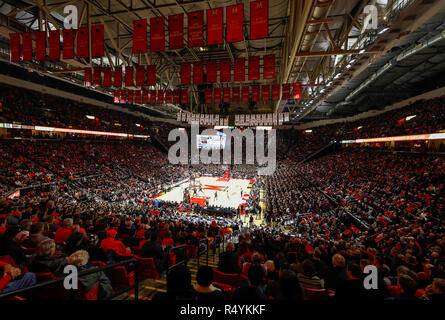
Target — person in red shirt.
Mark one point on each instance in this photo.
(7, 282)
(65, 231)
(111, 244)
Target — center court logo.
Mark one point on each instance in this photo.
(255, 146)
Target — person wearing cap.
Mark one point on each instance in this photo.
(111, 244)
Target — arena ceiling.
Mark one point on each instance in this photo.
(321, 43)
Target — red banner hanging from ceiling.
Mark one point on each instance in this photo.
(129, 76)
(137, 96)
(195, 29)
(225, 70)
(235, 94)
(226, 94)
(254, 68)
(160, 99)
(211, 71)
(265, 92)
(130, 96)
(245, 94)
(97, 76)
(185, 73)
(152, 96)
(275, 92)
(144, 96)
(54, 45)
(40, 45)
(14, 44)
(140, 36)
(82, 43)
(269, 66)
(117, 82)
(68, 44)
(217, 95)
(234, 24)
(198, 72)
(26, 46)
(208, 95)
(259, 24)
(214, 26)
(168, 96)
(255, 93)
(151, 75)
(87, 77)
(286, 92)
(97, 41)
(140, 76)
(184, 96)
(240, 69)
(176, 94)
(157, 34)
(296, 94)
(117, 96)
(107, 77)
(176, 31)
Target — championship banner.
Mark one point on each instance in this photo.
(235, 94)
(144, 96)
(107, 77)
(116, 96)
(97, 41)
(160, 99)
(225, 70)
(296, 94)
(14, 44)
(129, 76)
(26, 46)
(168, 96)
(269, 66)
(245, 94)
(97, 77)
(157, 34)
(226, 94)
(255, 93)
(185, 73)
(176, 96)
(275, 92)
(137, 96)
(176, 31)
(254, 68)
(40, 45)
(259, 24)
(140, 76)
(140, 36)
(214, 26)
(234, 24)
(195, 29)
(208, 95)
(68, 44)
(152, 97)
(130, 96)
(198, 72)
(184, 96)
(265, 92)
(240, 69)
(87, 77)
(123, 96)
(286, 91)
(117, 81)
(217, 95)
(82, 43)
(151, 75)
(211, 72)
(54, 45)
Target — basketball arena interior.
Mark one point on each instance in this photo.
(222, 151)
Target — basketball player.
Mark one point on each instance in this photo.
(216, 195)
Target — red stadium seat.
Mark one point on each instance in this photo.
(191, 251)
(7, 259)
(316, 294)
(122, 279)
(146, 267)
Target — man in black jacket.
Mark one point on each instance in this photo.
(229, 260)
(152, 249)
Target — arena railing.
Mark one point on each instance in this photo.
(206, 251)
(115, 294)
